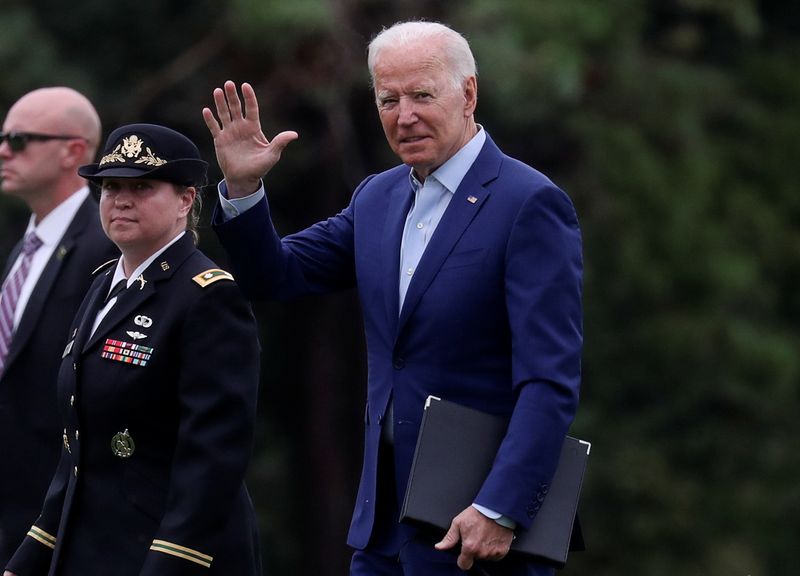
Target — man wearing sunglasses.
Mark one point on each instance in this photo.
(47, 134)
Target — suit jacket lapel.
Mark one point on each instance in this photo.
(48, 279)
(11, 259)
(400, 200)
(465, 204)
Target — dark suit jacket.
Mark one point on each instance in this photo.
(29, 423)
(492, 317)
(174, 366)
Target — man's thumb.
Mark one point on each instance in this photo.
(283, 139)
(451, 538)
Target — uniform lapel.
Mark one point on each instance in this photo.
(142, 289)
(96, 295)
(127, 302)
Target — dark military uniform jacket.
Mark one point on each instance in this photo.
(158, 408)
(29, 422)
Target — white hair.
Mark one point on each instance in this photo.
(459, 61)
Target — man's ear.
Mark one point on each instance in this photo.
(74, 153)
(470, 96)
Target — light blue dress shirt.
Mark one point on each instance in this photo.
(431, 199)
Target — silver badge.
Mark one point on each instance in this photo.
(122, 444)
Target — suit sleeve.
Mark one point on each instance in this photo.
(543, 286)
(218, 388)
(317, 260)
(33, 556)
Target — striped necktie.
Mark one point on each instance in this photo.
(10, 294)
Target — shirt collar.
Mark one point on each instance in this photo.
(119, 271)
(53, 226)
(451, 173)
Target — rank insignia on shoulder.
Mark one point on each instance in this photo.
(211, 276)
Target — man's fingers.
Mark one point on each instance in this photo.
(211, 122)
(223, 113)
(234, 105)
(250, 103)
(465, 560)
(451, 538)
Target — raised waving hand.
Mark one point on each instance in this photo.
(243, 152)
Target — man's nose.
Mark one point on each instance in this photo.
(407, 111)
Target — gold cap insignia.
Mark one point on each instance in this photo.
(131, 150)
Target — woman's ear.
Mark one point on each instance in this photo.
(187, 195)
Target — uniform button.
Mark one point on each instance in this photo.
(399, 362)
(74, 366)
(75, 470)
(72, 400)
(77, 434)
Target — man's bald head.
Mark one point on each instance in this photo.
(44, 171)
(61, 110)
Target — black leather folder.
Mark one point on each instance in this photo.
(455, 450)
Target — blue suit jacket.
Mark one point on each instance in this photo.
(491, 319)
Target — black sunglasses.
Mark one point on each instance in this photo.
(17, 141)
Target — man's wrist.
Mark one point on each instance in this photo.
(241, 188)
(501, 519)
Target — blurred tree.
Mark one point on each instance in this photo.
(672, 124)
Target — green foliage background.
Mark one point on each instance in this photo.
(673, 126)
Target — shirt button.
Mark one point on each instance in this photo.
(420, 225)
(409, 272)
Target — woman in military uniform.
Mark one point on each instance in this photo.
(157, 389)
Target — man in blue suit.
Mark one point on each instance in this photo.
(468, 267)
